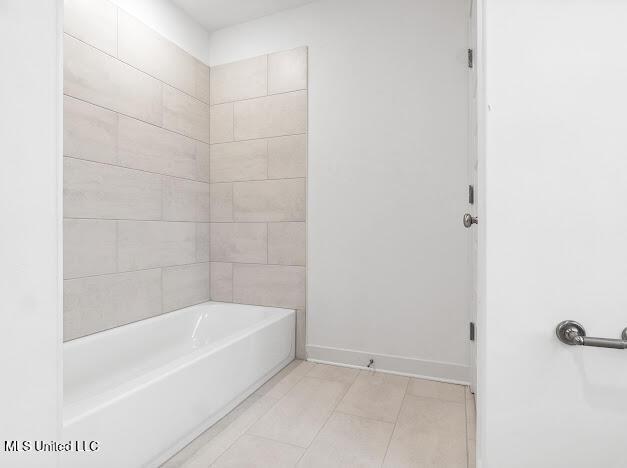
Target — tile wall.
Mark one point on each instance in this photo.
(258, 179)
(136, 171)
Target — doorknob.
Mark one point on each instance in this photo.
(469, 220)
(572, 333)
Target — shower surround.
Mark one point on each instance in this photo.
(181, 184)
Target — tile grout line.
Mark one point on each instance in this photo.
(261, 96)
(77, 158)
(161, 127)
(387, 448)
(117, 57)
(137, 270)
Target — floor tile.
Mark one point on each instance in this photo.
(429, 433)
(222, 441)
(472, 454)
(471, 419)
(375, 395)
(440, 390)
(292, 378)
(349, 441)
(341, 374)
(255, 452)
(297, 417)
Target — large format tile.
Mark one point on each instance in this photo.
(301, 333)
(202, 161)
(225, 438)
(93, 22)
(269, 200)
(269, 285)
(202, 74)
(346, 375)
(242, 160)
(185, 285)
(89, 132)
(433, 389)
(287, 70)
(286, 243)
(96, 303)
(221, 200)
(89, 247)
(147, 50)
(235, 81)
(94, 190)
(202, 242)
(239, 242)
(93, 76)
(221, 123)
(297, 417)
(185, 114)
(150, 148)
(349, 441)
(150, 244)
(251, 451)
(287, 382)
(375, 395)
(222, 282)
(428, 433)
(277, 115)
(287, 157)
(185, 200)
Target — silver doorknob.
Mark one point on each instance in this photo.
(469, 220)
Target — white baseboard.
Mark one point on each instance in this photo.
(431, 370)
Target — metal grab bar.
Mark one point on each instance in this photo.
(572, 333)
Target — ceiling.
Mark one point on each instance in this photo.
(216, 14)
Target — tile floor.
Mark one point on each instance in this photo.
(316, 415)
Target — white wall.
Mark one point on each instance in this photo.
(387, 273)
(30, 314)
(172, 23)
(556, 185)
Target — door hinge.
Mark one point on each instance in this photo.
(471, 194)
(470, 58)
(472, 331)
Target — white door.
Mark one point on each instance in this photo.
(555, 163)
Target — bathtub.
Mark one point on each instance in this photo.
(144, 390)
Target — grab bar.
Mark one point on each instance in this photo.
(572, 333)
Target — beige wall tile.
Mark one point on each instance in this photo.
(286, 243)
(429, 432)
(242, 160)
(287, 70)
(221, 198)
(150, 244)
(254, 451)
(301, 334)
(185, 285)
(202, 81)
(287, 157)
(270, 285)
(375, 395)
(89, 132)
(92, 21)
(239, 80)
(222, 282)
(277, 115)
(239, 242)
(347, 440)
(185, 114)
(185, 200)
(202, 242)
(269, 200)
(94, 190)
(150, 148)
(221, 123)
(147, 50)
(297, 417)
(89, 247)
(202, 162)
(96, 77)
(97, 303)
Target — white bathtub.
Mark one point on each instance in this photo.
(145, 390)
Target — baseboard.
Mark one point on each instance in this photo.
(431, 370)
